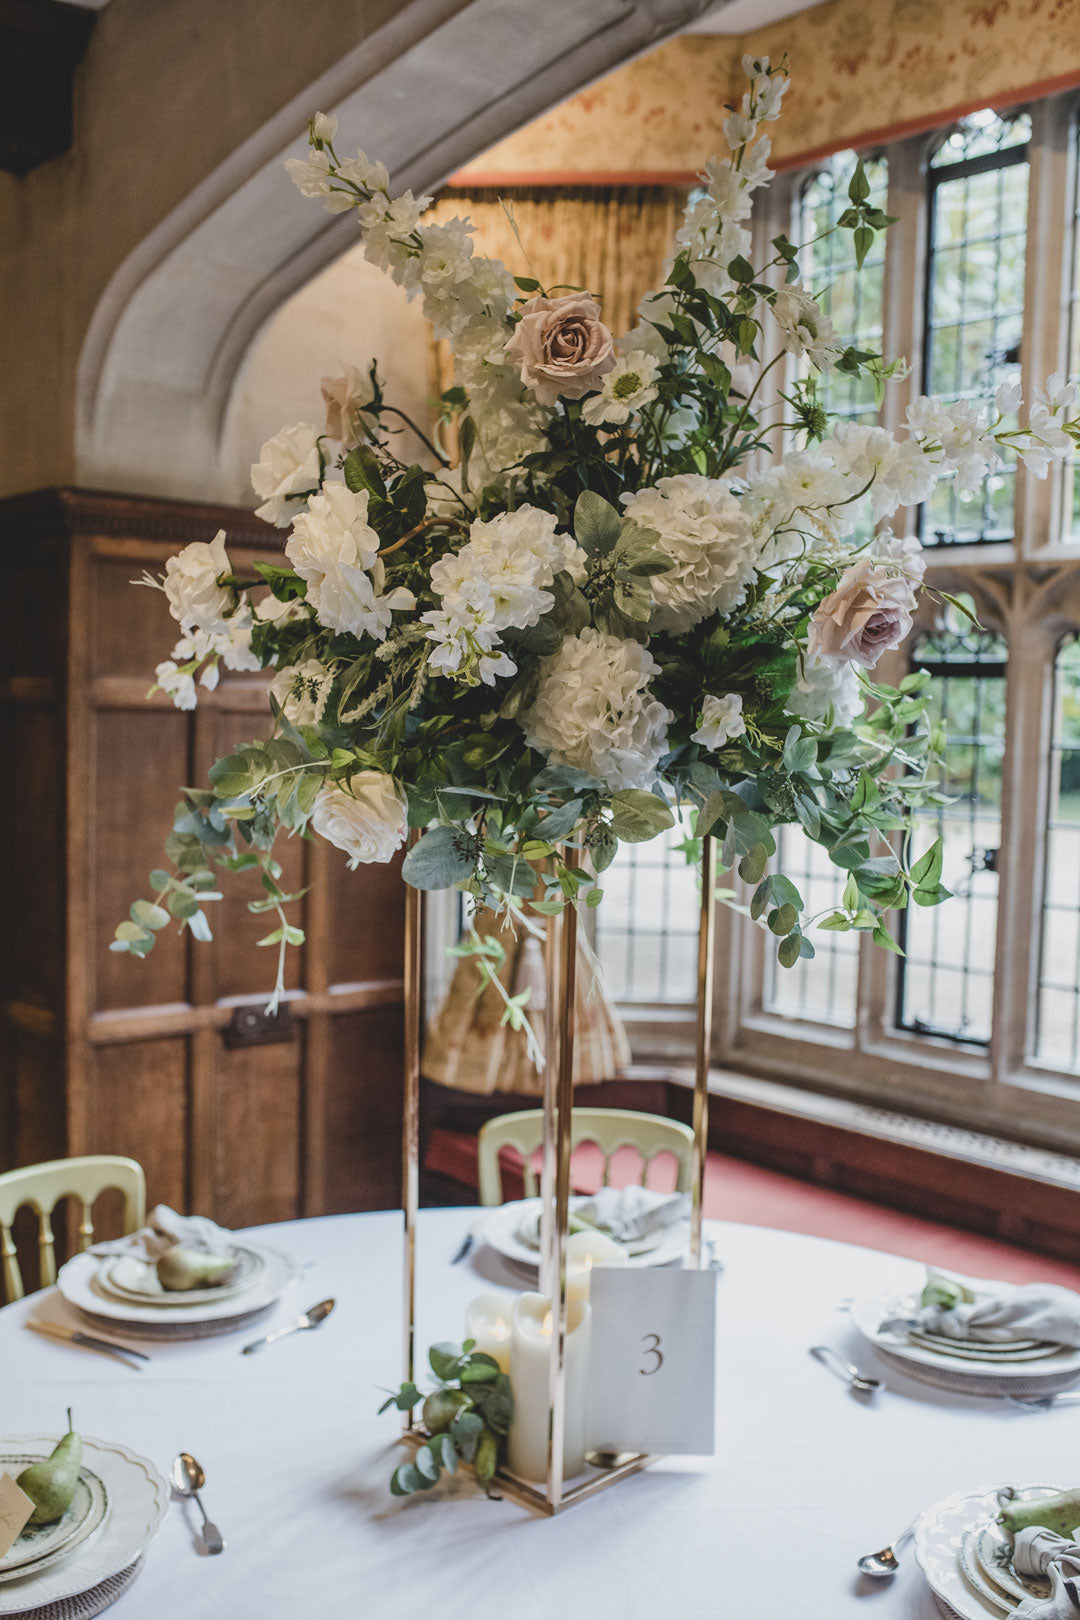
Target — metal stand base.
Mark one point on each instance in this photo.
(624, 1464)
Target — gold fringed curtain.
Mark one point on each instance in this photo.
(613, 240)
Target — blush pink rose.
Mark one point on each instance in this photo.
(868, 614)
(345, 398)
(563, 347)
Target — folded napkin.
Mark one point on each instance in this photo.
(165, 1229)
(998, 1314)
(1042, 1552)
(623, 1213)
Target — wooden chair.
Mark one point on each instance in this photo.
(609, 1128)
(41, 1186)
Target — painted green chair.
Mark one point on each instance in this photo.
(609, 1128)
(41, 1186)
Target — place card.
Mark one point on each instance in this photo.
(652, 1373)
(15, 1510)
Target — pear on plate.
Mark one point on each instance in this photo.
(180, 1270)
(1059, 1512)
(50, 1484)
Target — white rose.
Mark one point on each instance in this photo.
(196, 600)
(594, 709)
(368, 822)
(721, 721)
(333, 530)
(707, 536)
(288, 469)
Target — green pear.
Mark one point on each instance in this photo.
(441, 1408)
(1059, 1512)
(50, 1484)
(181, 1269)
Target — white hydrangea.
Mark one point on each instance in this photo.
(498, 581)
(287, 471)
(807, 330)
(825, 686)
(701, 526)
(302, 691)
(721, 721)
(334, 548)
(594, 710)
(627, 388)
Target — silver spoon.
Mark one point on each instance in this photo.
(856, 1381)
(188, 1479)
(310, 1319)
(880, 1565)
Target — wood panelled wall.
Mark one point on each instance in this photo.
(100, 1052)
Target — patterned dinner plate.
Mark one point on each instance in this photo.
(976, 1576)
(869, 1312)
(993, 1549)
(996, 1354)
(940, 1535)
(124, 1276)
(40, 1544)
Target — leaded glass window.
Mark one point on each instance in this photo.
(977, 190)
(1071, 505)
(647, 927)
(1057, 1039)
(946, 981)
(852, 299)
(821, 988)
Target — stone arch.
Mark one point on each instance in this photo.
(438, 83)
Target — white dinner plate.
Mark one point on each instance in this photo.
(993, 1549)
(126, 1277)
(499, 1229)
(939, 1536)
(138, 1500)
(869, 1312)
(997, 1354)
(78, 1283)
(976, 1576)
(41, 1544)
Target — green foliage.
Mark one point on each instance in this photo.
(467, 1417)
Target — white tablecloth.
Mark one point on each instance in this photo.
(805, 1477)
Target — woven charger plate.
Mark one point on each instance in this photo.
(169, 1330)
(979, 1383)
(84, 1605)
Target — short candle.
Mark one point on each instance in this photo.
(584, 1250)
(489, 1321)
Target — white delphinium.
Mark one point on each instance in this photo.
(287, 472)
(594, 710)
(196, 600)
(498, 581)
(711, 242)
(334, 548)
(702, 528)
(302, 691)
(631, 385)
(721, 721)
(1045, 439)
(369, 820)
(826, 688)
(807, 331)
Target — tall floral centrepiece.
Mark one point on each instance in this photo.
(614, 603)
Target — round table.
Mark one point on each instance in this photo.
(805, 1477)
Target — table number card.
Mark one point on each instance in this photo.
(15, 1510)
(652, 1373)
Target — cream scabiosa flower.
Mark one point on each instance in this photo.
(721, 721)
(287, 471)
(368, 821)
(302, 691)
(702, 528)
(594, 710)
(627, 388)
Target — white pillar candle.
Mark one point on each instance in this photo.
(530, 1356)
(584, 1250)
(489, 1320)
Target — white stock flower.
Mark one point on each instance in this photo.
(196, 600)
(1008, 397)
(364, 173)
(825, 686)
(898, 472)
(287, 470)
(738, 129)
(368, 821)
(179, 683)
(594, 710)
(1058, 394)
(311, 174)
(302, 691)
(807, 330)
(631, 385)
(335, 549)
(388, 226)
(721, 721)
(702, 528)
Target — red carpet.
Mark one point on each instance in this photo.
(736, 1191)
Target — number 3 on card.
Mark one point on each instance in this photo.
(653, 1351)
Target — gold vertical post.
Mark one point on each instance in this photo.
(558, 1126)
(410, 1124)
(703, 1052)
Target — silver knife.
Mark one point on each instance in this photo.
(120, 1352)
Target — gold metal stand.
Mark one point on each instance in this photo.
(561, 965)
